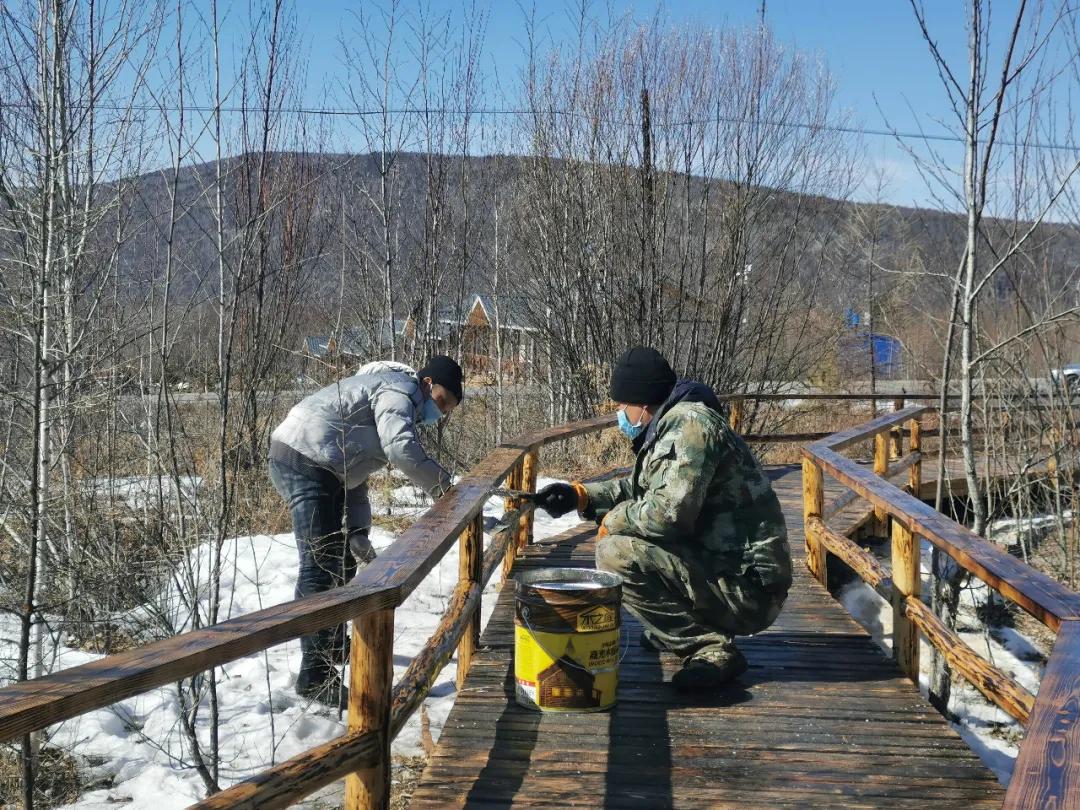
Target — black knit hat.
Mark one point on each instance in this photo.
(641, 377)
(444, 371)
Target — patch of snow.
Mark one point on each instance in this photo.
(143, 490)
(138, 743)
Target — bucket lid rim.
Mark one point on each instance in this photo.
(538, 577)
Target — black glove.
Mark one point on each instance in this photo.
(557, 499)
(360, 546)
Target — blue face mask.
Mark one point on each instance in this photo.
(629, 430)
(429, 414)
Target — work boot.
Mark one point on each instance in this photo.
(328, 690)
(709, 668)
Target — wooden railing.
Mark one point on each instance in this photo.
(378, 708)
(1047, 772)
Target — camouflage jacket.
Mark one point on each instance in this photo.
(696, 483)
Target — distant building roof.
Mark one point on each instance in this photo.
(509, 311)
(356, 341)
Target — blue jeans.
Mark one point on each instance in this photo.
(320, 507)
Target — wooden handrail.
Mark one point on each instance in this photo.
(288, 782)
(31, 705)
(408, 694)
(383, 585)
(880, 396)
(1043, 597)
(868, 430)
(1047, 772)
(988, 679)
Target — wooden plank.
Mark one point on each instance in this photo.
(420, 547)
(1041, 596)
(500, 542)
(34, 704)
(862, 562)
(288, 782)
(896, 436)
(813, 504)
(821, 718)
(470, 572)
(867, 430)
(540, 438)
(881, 470)
(999, 688)
(735, 414)
(915, 446)
(1047, 772)
(904, 464)
(529, 468)
(371, 673)
(848, 396)
(905, 579)
(512, 505)
(838, 505)
(839, 396)
(416, 682)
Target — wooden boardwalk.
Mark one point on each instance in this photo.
(821, 719)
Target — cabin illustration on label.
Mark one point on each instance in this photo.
(567, 685)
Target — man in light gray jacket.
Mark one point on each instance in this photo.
(321, 456)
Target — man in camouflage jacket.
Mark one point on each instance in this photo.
(695, 531)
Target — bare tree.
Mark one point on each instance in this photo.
(667, 200)
(1007, 86)
(60, 62)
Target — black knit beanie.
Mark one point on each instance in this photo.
(641, 377)
(444, 371)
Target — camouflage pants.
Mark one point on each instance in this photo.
(681, 606)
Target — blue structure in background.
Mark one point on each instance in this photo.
(855, 350)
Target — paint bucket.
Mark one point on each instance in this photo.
(566, 639)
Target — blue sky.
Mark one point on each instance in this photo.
(874, 49)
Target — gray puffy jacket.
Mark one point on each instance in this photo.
(355, 426)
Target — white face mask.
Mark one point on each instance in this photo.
(429, 414)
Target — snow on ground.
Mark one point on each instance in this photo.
(138, 749)
(137, 746)
(989, 731)
(140, 491)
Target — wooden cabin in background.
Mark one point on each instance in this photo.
(481, 334)
(484, 323)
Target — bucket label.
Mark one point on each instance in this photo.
(566, 671)
(601, 617)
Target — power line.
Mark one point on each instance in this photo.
(329, 112)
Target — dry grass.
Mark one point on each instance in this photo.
(59, 779)
(404, 777)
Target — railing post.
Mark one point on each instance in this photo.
(529, 467)
(905, 576)
(513, 481)
(881, 470)
(371, 677)
(813, 505)
(896, 449)
(470, 562)
(915, 446)
(735, 415)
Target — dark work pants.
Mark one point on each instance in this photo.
(317, 501)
